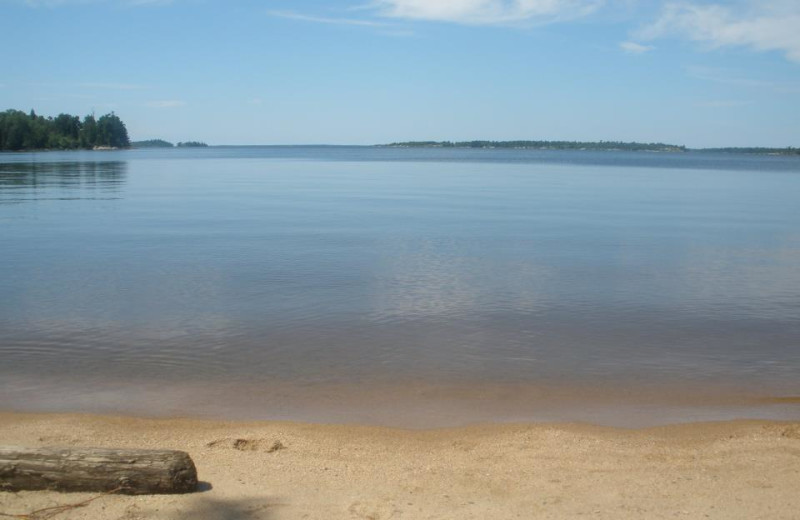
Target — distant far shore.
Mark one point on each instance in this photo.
(545, 145)
(611, 146)
(601, 146)
(29, 132)
(606, 146)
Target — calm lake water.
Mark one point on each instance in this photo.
(381, 285)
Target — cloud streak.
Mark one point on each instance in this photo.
(635, 48)
(486, 12)
(291, 15)
(762, 26)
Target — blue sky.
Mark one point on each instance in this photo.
(695, 72)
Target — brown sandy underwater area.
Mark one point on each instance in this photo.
(277, 470)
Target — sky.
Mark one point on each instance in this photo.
(697, 73)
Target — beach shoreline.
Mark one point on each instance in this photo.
(416, 403)
(272, 469)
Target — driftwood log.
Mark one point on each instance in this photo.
(133, 472)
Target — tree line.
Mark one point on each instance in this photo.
(21, 131)
(151, 143)
(599, 145)
(545, 145)
(160, 143)
(790, 150)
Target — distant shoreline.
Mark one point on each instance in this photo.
(609, 146)
(616, 146)
(783, 152)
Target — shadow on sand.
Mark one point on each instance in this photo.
(264, 508)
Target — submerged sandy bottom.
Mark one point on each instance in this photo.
(727, 470)
(411, 403)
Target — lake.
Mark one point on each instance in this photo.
(414, 287)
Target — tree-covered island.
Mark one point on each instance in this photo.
(160, 143)
(21, 131)
(152, 143)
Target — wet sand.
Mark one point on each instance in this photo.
(276, 470)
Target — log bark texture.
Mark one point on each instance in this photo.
(134, 472)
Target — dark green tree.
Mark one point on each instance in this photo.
(111, 131)
(16, 128)
(67, 125)
(88, 133)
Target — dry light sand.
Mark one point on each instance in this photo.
(729, 470)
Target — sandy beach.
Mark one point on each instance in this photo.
(275, 470)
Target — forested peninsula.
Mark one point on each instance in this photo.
(21, 131)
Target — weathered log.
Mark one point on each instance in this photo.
(133, 472)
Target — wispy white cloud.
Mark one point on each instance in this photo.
(487, 12)
(291, 15)
(635, 48)
(170, 103)
(767, 25)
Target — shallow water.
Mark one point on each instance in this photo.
(167, 281)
